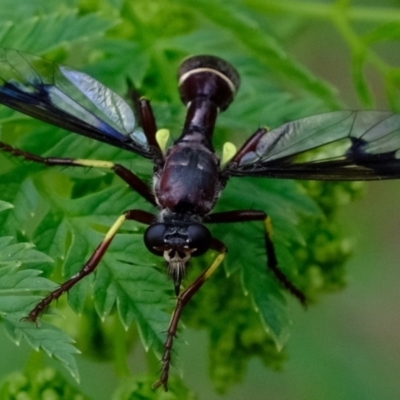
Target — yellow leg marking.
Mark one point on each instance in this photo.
(94, 163)
(213, 267)
(203, 277)
(268, 226)
(228, 152)
(113, 230)
(162, 138)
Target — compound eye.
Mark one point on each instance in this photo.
(154, 238)
(199, 238)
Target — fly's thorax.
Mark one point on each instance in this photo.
(189, 179)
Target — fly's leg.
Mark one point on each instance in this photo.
(146, 118)
(183, 299)
(94, 260)
(254, 215)
(124, 173)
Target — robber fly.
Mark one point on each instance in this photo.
(189, 176)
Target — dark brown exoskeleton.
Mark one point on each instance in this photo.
(188, 178)
(188, 182)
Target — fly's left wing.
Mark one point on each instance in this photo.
(342, 145)
(68, 99)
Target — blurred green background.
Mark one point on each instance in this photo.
(348, 345)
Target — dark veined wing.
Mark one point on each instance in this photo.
(342, 145)
(68, 99)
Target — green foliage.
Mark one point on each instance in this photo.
(17, 288)
(244, 336)
(140, 388)
(46, 384)
(35, 29)
(67, 212)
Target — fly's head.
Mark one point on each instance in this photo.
(177, 244)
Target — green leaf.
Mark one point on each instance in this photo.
(5, 206)
(25, 280)
(269, 304)
(284, 202)
(17, 288)
(19, 253)
(12, 11)
(127, 57)
(14, 280)
(52, 340)
(40, 34)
